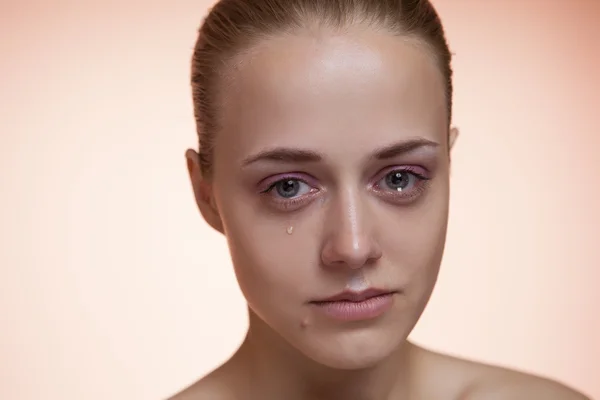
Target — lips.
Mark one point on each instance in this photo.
(355, 306)
(354, 297)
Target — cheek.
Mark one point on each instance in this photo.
(273, 272)
(272, 252)
(268, 261)
(416, 245)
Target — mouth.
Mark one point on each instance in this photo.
(356, 306)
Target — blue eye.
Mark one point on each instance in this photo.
(289, 188)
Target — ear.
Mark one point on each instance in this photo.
(452, 136)
(203, 192)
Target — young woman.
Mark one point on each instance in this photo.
(325, 139)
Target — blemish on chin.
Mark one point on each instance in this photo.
(304, 323)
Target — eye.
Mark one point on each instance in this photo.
(290, 188)
(400, 180)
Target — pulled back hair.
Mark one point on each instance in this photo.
(233, 27)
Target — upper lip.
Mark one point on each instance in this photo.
(355, 296)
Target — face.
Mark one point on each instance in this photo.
(331, 177)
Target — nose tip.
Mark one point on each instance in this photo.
(351, 250)
(349, 242)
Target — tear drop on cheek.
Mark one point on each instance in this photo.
(290, 230)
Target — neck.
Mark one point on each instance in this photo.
(277, 370)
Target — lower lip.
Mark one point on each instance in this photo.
(356, 311)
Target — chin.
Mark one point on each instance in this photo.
(355, 350)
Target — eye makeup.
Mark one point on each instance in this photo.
(418, 179)
(271, 189)
(400, 184)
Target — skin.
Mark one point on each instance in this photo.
(342, 98)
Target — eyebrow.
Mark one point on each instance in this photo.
(292, 155)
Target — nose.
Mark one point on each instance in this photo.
(349, 242)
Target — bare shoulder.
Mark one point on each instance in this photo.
(211, 387)
(478, 381)
(502, 384)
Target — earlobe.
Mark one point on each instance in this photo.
(208, 207)
(203, 192)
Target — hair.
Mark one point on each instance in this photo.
(233, 27)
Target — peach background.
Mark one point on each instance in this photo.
(111, 285)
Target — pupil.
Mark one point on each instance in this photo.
(398, 180)
(288, 188)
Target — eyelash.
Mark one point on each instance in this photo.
(420, 185)
(395, 196)
(292, 202)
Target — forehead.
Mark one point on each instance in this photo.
(343, 93)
